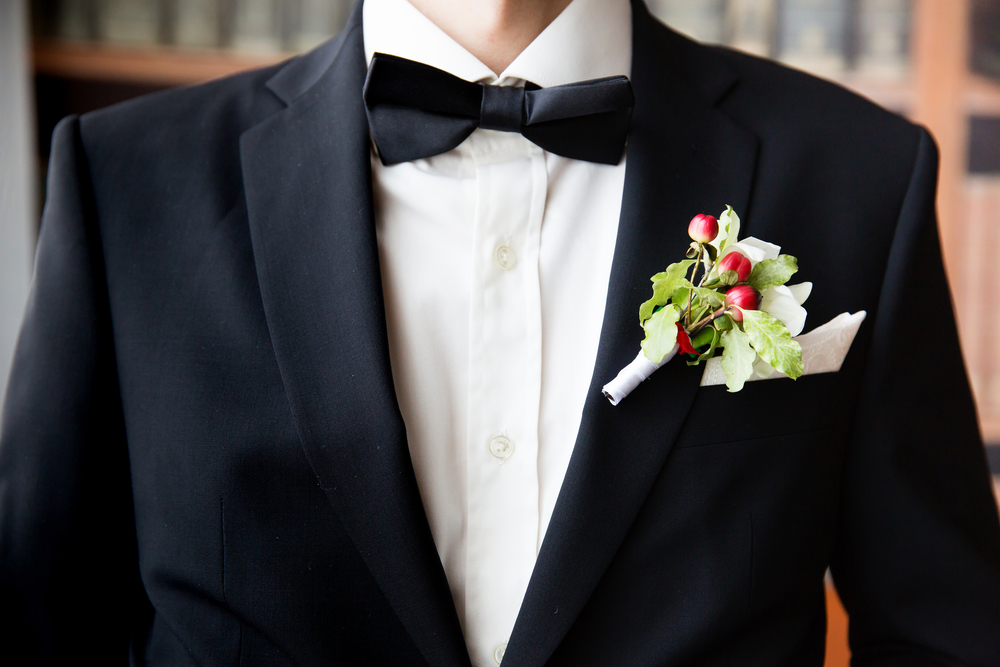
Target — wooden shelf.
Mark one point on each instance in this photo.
(154, 66)
(982, 97)
(893, 93)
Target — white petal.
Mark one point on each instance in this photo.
(754, 253)
(779, 303)
(771, 251)
(801, 291)
(729, 231)
(731, 223)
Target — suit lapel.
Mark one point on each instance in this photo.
(307, 180)
(684, 157)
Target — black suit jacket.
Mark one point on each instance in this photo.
(203, 461)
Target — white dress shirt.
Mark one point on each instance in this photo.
(495, 261)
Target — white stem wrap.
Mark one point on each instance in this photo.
(629, 377)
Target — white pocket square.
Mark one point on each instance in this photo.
(823, 351)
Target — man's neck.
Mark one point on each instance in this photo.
(494, 31)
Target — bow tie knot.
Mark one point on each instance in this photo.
(417, 111)
(502, 108)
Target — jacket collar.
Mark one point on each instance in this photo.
(307, 180)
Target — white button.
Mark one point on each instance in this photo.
(505, 257)
(498, 654)
(501, 447)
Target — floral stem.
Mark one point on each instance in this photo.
(694, 272)
(701, 324)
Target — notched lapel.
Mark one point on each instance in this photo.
(684, 157)
(307, 178)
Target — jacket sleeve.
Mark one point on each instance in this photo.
(69, 584)
(918, 557)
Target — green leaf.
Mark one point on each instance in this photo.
(673, 269)
(724, 323)
(704, 337)
(664, 284)
(729, 278)
(709, 296)
(707, 354)
(661, 333)
(773, 342)
(773, 272)
(737, 358)
(680, 295)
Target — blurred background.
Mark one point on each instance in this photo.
(934, 61)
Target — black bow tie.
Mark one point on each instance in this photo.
(416, 111)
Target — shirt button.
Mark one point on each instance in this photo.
(505, 257)
(501, 447)
(498, 654)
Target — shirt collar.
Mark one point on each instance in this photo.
(590, 39)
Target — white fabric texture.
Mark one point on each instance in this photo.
(495, 261)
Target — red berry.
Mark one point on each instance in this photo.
(736, 261)
(743, 297)
(703, 228)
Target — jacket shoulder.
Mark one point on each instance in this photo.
(793, 108)
(230, 104)
(179, 116)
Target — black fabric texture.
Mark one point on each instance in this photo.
(203, 462)
(417, 111)
(502, 108)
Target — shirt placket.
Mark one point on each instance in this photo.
(504, 390)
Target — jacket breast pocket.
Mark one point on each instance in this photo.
(767, 409)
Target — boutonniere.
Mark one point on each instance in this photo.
(729, 298)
